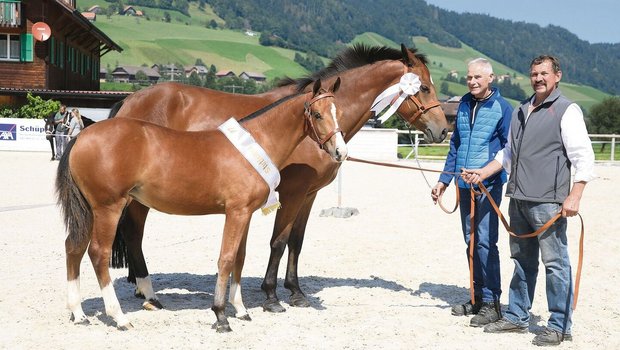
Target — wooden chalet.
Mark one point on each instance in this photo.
(258, 77)
(127, 74)
(65, 59)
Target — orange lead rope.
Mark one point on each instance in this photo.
(529, 235)
(499, 214)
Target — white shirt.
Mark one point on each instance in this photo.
(576, 141)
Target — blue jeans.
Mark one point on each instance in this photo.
(552, 246)
(487, 281)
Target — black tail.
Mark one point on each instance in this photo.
(119, 248)
(76, 211)
(120, 254)
(115, 108)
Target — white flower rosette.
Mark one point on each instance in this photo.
(394, 96)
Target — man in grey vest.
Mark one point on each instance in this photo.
(547, 138)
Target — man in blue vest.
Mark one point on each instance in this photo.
(547, 138)
(480, 131)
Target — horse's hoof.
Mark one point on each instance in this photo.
(221, 328)
(273, 305)
(245, 317)
(138, 294)
(83, 321)
(125, 327)
(299, 300)
(152, 305)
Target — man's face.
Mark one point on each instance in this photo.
(543, 79)
(478, 80)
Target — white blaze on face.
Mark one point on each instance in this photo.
(341, 146)
(432, 79)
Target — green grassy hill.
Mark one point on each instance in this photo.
(186, 39)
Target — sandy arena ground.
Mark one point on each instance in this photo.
(382, 279)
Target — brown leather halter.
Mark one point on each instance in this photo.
(421, 107)
(310, 123)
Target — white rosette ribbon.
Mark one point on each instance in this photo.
(394, 96)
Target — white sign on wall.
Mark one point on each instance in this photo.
(18, 134)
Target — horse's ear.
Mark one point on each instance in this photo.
(406, 56)
(336, 85)
(316, 87)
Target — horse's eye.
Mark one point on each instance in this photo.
(425, 88)
(317, 115)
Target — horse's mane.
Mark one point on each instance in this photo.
(268, 107)
(352, 57)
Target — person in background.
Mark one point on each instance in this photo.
(49, 133)
(481, 130)
(60, 122)
(75, 124)
(547, 139)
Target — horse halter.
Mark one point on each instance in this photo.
(421, 107)
(309, 119)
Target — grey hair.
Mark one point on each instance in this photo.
(483, 62)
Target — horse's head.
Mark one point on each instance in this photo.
(322, 119)
(423, 110)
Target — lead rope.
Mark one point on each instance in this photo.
(542, 229)
(499, 214)
(415, 145)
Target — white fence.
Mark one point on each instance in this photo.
(417, 141)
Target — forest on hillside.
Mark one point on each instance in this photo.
(323, 27)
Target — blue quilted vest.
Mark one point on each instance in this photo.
(477, 149)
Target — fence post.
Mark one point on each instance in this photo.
(613, 148)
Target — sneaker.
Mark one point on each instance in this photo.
(489, 313)
(468, 308)
(504, 326)
(549, 337)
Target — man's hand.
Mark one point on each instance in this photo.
(437, 191)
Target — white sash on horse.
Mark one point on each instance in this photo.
(257, 156)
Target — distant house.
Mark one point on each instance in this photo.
(453, 74)
(501, 78)
(250, 33)
(166, 71)
(91, 16)
(225, 74)
(129, 10)
(200, 70)
(127, 74)
(96, 9)
(102, 74)
(258, 77)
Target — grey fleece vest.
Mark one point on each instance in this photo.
(540, 170)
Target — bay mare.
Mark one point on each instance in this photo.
(366, 72)
(184, 173)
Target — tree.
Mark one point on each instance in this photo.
(166, 16)
(199, 62)
(141, 77)
(212, 24)
(194, 79)
(604, 118)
